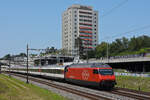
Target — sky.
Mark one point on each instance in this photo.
(39, 22)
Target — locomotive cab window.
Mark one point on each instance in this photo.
(66, 68)
(95, 71)
(106, 72)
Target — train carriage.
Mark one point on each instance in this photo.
(53, 71)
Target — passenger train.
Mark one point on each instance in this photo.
(89, 74)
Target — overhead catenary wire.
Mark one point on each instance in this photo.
(114, 8)
(130, 31)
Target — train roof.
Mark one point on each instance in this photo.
(90, 65)
(42, 67)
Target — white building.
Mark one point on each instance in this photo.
(79, 21)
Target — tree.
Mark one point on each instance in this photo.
(101, 50)
(91, 53)
(7, 57)
(113, 49)
(125, 43)
(22, 55)
(63, 51)
(133, 44)
(50, 50)
(123, 46)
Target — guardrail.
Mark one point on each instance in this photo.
(132, 74)
(121, 60)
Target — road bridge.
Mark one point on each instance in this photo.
(135, 64)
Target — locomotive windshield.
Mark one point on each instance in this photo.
(106, 72)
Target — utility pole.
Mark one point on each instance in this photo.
(87, 56)
(107, 51)
(9, 66)
(0, 68)
(27, 65)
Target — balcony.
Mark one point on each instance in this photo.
(86, 24)
(83, 35)
(85, 27)
(89, 47)
(87, 39)
(85, 32)
(83, 12)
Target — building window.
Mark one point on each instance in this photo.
(95, 29)
(85, 20)
(95, 32)
(75, 19)
(75, 31)
(94, 21)
(95, 25)
(95, 40)
(85, 12)
(75, 35)
(85, 16)
(75, 15)
(95, 14)
(75, 27)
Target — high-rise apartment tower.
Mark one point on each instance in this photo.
(79, 22)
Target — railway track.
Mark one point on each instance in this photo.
(132, 94)
(135, 91)
(67, 89)
(136, 95)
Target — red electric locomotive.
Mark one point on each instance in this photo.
(91, 74)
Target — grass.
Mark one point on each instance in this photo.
(13, 89)
(120, 70)
(136, 83)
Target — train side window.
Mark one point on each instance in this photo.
(95, 71)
